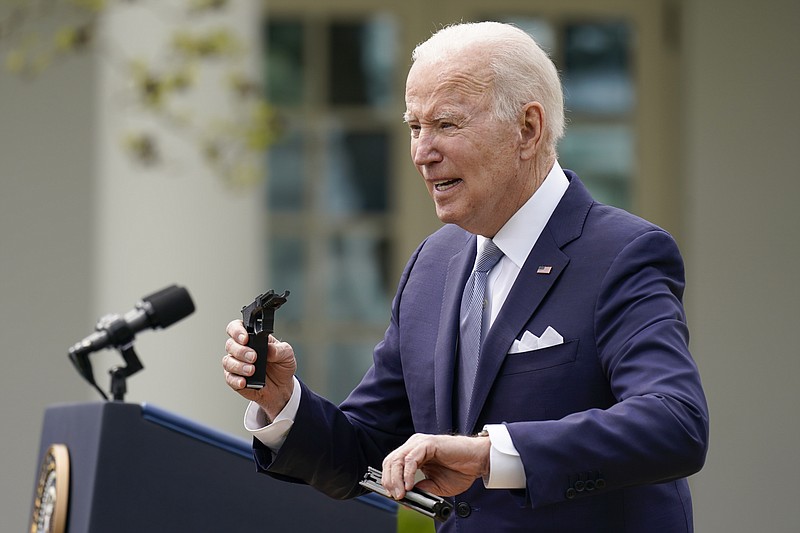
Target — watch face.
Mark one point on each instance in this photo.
(52, 492)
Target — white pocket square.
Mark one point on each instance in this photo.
(530, 342)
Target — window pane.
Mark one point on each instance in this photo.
(287, 262)
(602, 155)
(286, 177)
(541, 30)
(285, 65)
(361, 61)
(356, 270)
(358, 170)
(597, 72)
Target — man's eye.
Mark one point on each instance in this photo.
(447, 125)
(415, 128)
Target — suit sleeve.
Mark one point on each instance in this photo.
(330, 447)
(657, 430)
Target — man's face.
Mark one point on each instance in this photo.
(470, 161)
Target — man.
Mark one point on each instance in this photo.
(571, 353)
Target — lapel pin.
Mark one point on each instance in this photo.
(544, 269)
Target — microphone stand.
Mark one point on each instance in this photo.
(120, 373)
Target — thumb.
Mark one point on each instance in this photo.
(428, 485)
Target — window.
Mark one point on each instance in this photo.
(328, 190)
(594, 60)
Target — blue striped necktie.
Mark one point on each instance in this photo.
(471, 332)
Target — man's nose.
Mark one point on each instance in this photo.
(424, 150)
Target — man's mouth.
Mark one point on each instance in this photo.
(444, 185)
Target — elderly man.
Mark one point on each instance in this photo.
(535, 368)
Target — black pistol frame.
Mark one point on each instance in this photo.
(259, 321)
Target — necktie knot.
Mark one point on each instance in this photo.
(488, 257)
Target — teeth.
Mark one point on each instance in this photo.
(444, 185)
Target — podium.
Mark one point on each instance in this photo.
(136, 468)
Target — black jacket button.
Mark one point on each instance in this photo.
(571, 493)
(580, 485)
(600, 483)
(463, 509)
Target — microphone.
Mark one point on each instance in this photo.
(158, 310)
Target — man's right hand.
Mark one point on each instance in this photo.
(281, 367)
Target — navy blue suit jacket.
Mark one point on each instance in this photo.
(608, 424)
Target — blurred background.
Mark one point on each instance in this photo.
(233, 146)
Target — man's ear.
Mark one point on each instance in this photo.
(531, 130)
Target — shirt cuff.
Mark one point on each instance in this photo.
(273, 435)
(505, 465)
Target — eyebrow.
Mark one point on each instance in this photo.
(442, 116)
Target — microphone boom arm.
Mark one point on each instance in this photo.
(120, 373)
(122, 336)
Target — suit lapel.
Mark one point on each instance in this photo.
(527, 293)
(530, 288)
(444, 361)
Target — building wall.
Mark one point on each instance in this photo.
(741, 116)
(46, 259)
(82, 236)
(83, 232)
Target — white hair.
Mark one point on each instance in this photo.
(522, 71)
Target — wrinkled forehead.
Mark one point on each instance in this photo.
(459, 78)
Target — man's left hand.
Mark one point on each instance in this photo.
(450, 464)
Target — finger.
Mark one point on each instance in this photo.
(276, 347)
(237, 367)
(280, 352)
(237, 331)
(415, 458)
(242, 353)
(235, 382)
(410, 467)
(387, 475)
(396, 466)
(396, 486)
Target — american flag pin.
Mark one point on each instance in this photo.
(544, 269)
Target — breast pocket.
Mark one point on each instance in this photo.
(550, 357)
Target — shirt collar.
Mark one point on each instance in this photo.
(517, 237)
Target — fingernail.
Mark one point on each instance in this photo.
(248, 369)
(241, 338)
(251, 357)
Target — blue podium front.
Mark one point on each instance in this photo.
(137, 468)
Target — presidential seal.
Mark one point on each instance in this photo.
(52, 492)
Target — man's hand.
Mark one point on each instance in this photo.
(281, 367)
(450, 464)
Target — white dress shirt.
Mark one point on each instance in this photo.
(516, 239)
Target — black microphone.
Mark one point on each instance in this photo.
(158, 310)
